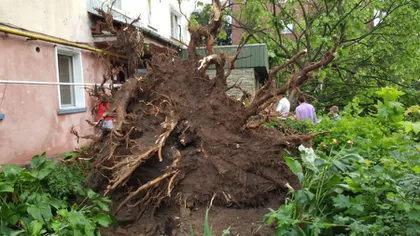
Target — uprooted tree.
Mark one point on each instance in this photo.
(177, 136)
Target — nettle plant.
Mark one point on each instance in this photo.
(345, 194)
(36, 201)
(362, 178)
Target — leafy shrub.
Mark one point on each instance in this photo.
(343, 193)
(64, 182)
(290, 126)
(33, 201)
(362, 179)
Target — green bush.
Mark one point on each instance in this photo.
(361, 179)
(344, 193)
(65, 182)
(34, 201)
(290, 126)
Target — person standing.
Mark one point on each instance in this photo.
(305, 111)
(283, 107)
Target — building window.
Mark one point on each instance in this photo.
(117, 3)
(175, 27)
(65, 75)
(379, 15)
(288, 28)
(149, 12)
(70, 78)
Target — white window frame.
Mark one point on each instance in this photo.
(288, 28)
(149, 13)
(78, 90)
(178, 35)
(109, 3)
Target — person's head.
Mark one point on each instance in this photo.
(301, 99)
(282, 95)
(102, 96)
(334, 110)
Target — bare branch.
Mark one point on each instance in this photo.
(180, 10)
(233, 59)
(273, 71)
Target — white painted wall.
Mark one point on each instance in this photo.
(160, 14)
(67, 19)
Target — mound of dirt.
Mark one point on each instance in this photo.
(180, 144)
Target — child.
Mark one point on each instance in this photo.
(107, 122)
(334, 113)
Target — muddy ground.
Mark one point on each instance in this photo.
(179, 221)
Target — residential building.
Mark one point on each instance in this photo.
(50, 55)
(237, 31)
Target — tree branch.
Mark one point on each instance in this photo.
(209, 32)
(233, 59)
(273, 71)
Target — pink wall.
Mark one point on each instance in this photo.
(32, 125)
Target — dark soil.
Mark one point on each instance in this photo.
(183, 221)
(208, 152)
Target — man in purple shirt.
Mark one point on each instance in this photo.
(305, 111)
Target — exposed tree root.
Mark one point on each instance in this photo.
(170, 125)
(128, 168)
(144, 187)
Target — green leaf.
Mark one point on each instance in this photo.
(41, 174)
(102, 205)
(103, 219)
(76, 218)
(414, 215)
(207, 230)
(416, 127)
(389, 94)
(6, 188)
(41, 167)
(41, 211)
(342, 201)
(91, 194)
(333, 181)
(35, 227)
(38, 160)
(16, 232)
(416, 169)
(69, 155)
(11, 170)
(78, 232)
(304, 197)
(57, 204)
(63, 212)
(294, 165)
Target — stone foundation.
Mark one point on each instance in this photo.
(245, 77)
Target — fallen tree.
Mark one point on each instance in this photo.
(179, 139)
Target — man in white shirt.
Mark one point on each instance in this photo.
(283, 107)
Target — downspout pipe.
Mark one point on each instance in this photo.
(56, 40)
